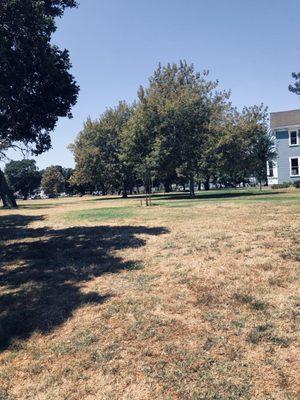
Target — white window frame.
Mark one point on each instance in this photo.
(271, 168)
(293, 158)
(268, 169)
(275, 169)
(297, 137)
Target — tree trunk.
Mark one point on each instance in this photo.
(124, 191)
(206, 184)
(81, 190)
(192, 188)
(7, 197)
(167, 186)
(3, 198)
(104, 190)
(147, 187)
(25, 194)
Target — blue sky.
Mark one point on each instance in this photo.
(251, 46)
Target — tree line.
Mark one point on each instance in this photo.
(24, 177)
(181, 130)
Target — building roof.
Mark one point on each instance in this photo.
(284, 119)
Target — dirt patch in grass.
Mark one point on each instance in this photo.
(158, 304)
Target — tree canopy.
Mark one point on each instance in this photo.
(170, 125)
(99, 152)
(35, 84)
(53, 180)
(23, 176)
(181, 130)
(244, 146)
(36, 87)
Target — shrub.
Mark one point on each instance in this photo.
(297, 184)
(283, 185)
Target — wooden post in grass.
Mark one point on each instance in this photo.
(149, 189)
(147, 185)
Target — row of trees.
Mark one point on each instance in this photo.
(182, 130)
(179, 130)
(25, 178)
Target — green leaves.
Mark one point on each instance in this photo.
(22, 176)
(53, 181)
(296, 87)
(35, 84)
(100, 154)
(181, 129)
(244, 146)
(169, 126)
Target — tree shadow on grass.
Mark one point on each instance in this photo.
(41, 206)
(214, 194)
(42, 271)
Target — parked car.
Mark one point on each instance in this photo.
(35, 196)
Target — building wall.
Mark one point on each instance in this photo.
(285, 151)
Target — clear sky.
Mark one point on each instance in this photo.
(251, 46)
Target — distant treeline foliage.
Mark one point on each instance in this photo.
(25, 178)
(181, 130)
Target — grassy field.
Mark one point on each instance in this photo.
(102, 298)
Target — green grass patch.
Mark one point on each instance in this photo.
(255, 304)
(101, 214)
(178, 203)
(249, 196)
(239, 195)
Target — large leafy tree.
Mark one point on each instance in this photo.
(209, 165)
(67, 173)
(231, 151)
(53, 181)
(261, 147)
(23, 176)
(169, 128)
(295, 88)
(245, 146)
(99, 152)
(36, 87)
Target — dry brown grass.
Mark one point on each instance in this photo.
(170, 303)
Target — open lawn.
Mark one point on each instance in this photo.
(101, 298)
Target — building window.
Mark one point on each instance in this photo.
(294, 138)
(294, 164)
(271, 169)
